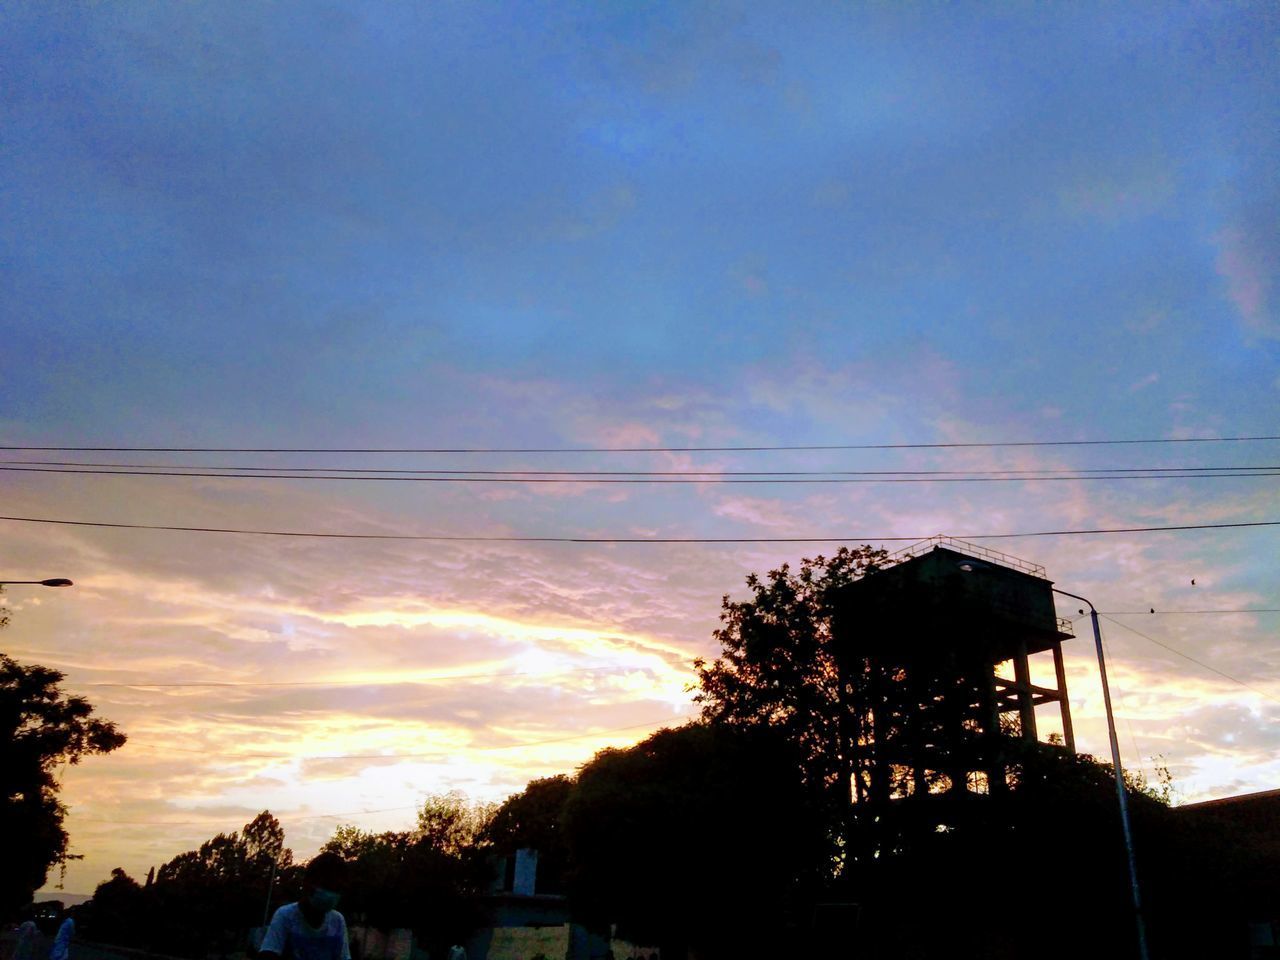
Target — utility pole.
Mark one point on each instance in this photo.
(266, 907)
(1121, 797)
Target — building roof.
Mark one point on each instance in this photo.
(1262, 801)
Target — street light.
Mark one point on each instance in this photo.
(54, 582)
(1119, 772)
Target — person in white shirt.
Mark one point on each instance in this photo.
(311, 929)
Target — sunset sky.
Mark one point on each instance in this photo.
(600, 226)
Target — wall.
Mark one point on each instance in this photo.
(525, 943)
(370, 943)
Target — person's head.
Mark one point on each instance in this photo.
(324, 880)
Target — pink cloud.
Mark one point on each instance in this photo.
(769, 514)
(1249, 266)
(628, 434)
(600, 636)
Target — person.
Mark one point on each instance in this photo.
(61, 948)
(457, 953)
(311, 928)
(24, 943)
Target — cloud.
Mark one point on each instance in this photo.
(761, 513)
(479, 666)
(599, 226)
(1249, 262)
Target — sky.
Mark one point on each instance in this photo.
(589, 227)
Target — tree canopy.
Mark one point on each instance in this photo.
(778, 668)
(699, 835)
(428, 879)
(221, 885)
(534, 818)
(41, 728)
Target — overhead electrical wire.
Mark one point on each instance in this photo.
(693, 477)
(418, 471)
(638, 477)
(1187, 656)
(1174, 613)
(215, 684)
(447, 538)
(653, 449)
(1133, 738)
(360, 684)
(212, 823)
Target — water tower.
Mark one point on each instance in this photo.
(933, 659)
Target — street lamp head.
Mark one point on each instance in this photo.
(56, 582)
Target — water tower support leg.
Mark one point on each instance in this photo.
(1064, 703)
(1026, 706)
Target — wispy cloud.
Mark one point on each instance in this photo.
(605, 227)
(1250, 263)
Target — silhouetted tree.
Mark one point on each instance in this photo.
(428, 879)
(119, 912)
(534, 818)
(216, 892)
(700, 835)
(351, 843)
(41, 728)
(450, 823)
(263, 843)
(778, 668)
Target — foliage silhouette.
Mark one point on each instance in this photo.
(41, 728)
(533, 818)
(778, 668)
(429, 879)
(119, 913)
(211, 895)
(701, 836)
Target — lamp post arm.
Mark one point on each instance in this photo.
(1121, 795)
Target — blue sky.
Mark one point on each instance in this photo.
(336, 210)
(615, 225)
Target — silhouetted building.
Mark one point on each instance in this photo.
(522, 922)
(1247, 822)
(933, 660)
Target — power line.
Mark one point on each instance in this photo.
(1175, 613)
(1186, 656)
(1137, 752)
(654, 449)
(444, 538)
(596, 479)
(209, 823)
(359, 684)
(216, 684)
(414, 471)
